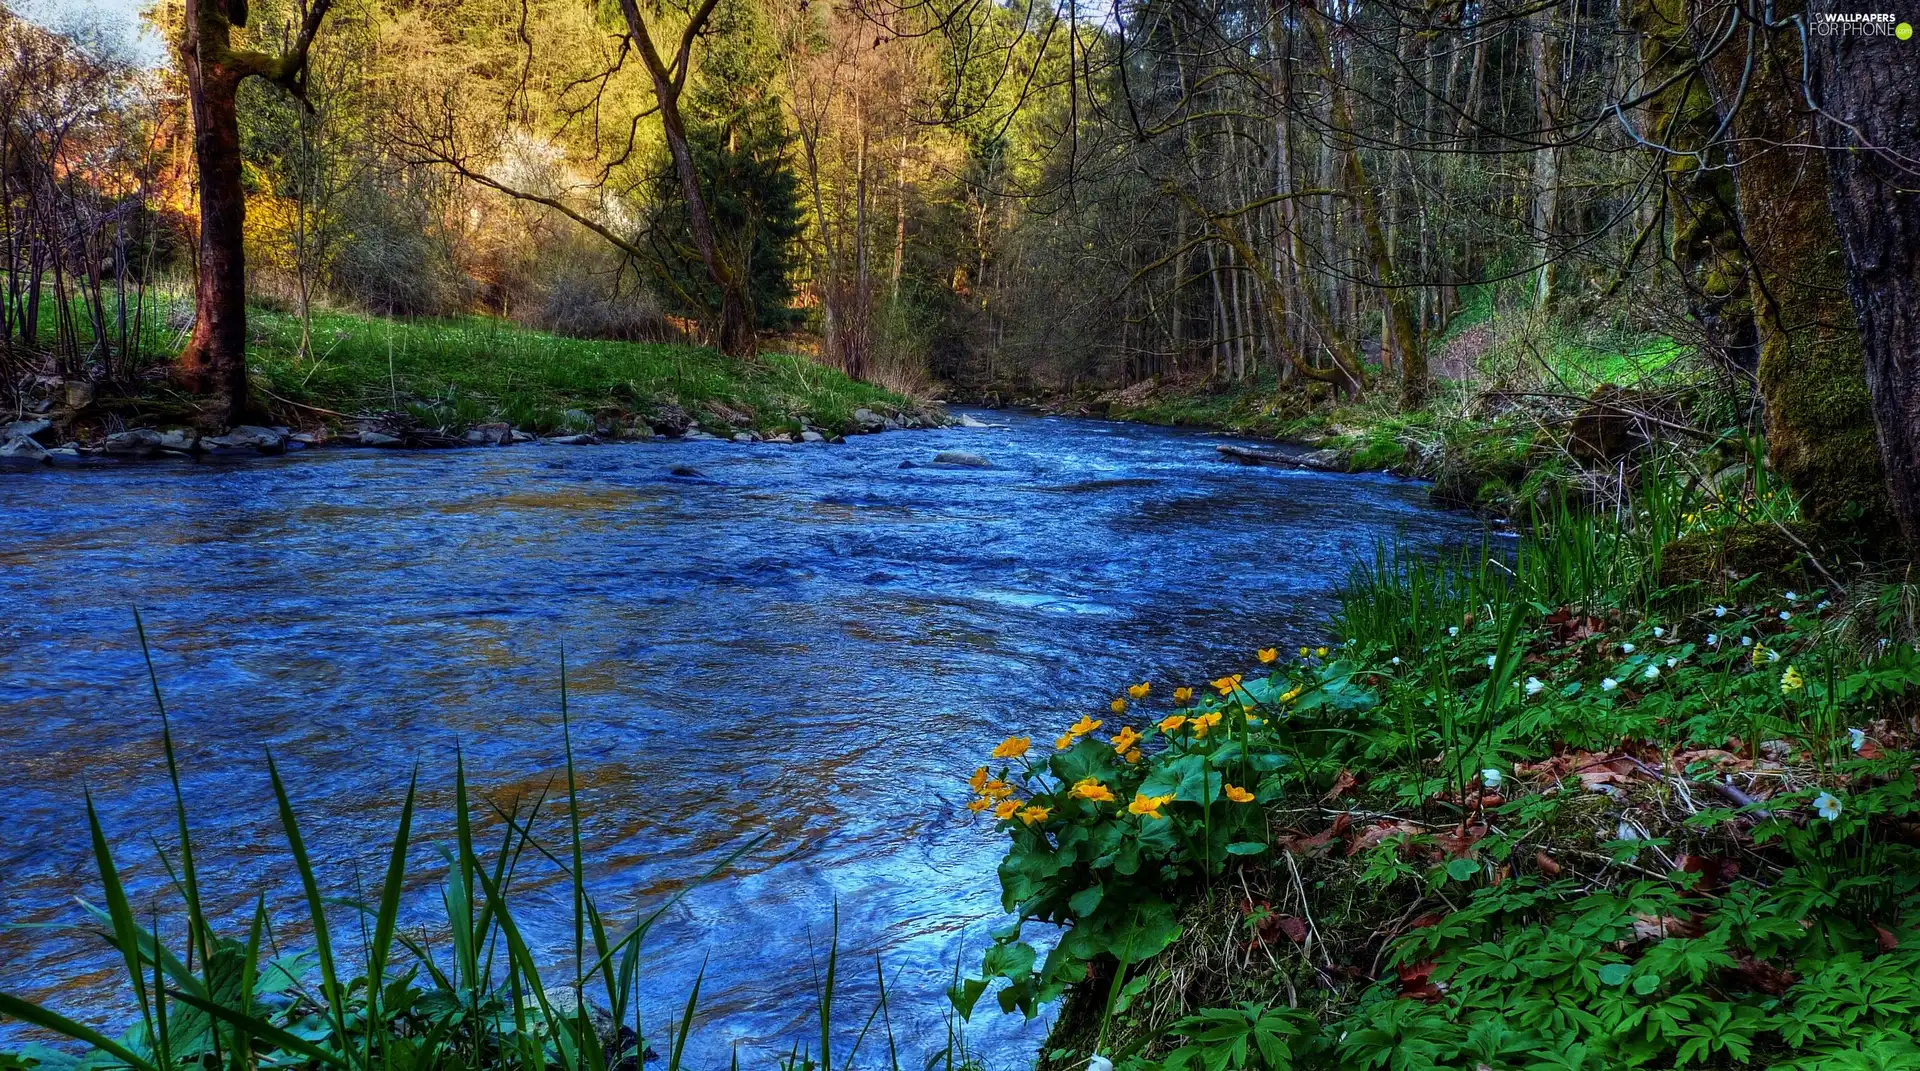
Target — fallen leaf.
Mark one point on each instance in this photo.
(1342, 781)
(1546, 864)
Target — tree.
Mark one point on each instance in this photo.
(1812, 375)
(1868, 89)
(214, 363)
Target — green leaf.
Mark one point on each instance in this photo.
(1615, 973)
(1086, 901)
(1246, 847)
(1463, 869)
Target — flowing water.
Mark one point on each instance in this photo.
(813, 643)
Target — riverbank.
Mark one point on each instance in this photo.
(473, 381)
(1550, 805)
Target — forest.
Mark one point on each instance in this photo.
(1595, 753)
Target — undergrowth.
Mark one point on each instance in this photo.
(1531, 810)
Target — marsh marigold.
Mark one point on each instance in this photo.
(1226, 685)
(1149, 806)
(1268, 654)
(1238, 794)
(978, 782)
(1013, 747)
(1205, 722)
(1118, 706)
(1084, 726)
(1171, 722)
(1139, 691)
(1181, 695)
(1006, 809)
(1034, 813)
(1124, 740)
(1090, 788)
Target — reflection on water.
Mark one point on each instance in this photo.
(812, 643)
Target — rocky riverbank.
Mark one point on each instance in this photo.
(72, 434)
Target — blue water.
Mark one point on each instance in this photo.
(810, 643)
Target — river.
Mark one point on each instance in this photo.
(813, 643)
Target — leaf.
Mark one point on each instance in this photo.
(1646, 984)
(1462, 869)
(1246, 847)
(1086, 901)
(1615, 973)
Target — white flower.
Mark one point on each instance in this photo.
(1658, 632)
(1609, 684)
(1490, 661)
(1822, 604)
(1746, 641)
(1627, 647)
(1883, 643)
(1785, 616)
(1857, 737)
(1719, 611)
(1652, 672)
(1490, 777)
(1453, 630)
(1626, 831)
(1713, 639)
(1672, 662)
(1791, 597)
(1097, 1062)
(1773, 655)
(1828, 805)
(1396, 660)
(1534, 685)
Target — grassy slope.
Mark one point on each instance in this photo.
(476, 369)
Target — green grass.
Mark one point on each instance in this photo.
(475, 369)
(451, 373)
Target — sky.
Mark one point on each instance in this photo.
(116, 24)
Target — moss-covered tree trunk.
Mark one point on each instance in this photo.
(1820, 430)
(1680, 119)
(1868, 87)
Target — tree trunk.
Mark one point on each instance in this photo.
(735, 332)
(1820, 435)
(214, 363)
(1868, 87)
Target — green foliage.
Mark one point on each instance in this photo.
(741, 149)
(1650, 832)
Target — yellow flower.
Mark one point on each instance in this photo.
(979, 805)
(1084, 726)
(1118, 706)
(1291, 694)
(1006, 809)
(1090, 788)
(1133, 757)
(1034, 813)
(1124, 740)
(1268, 654)
(1149, 806)
(1320, 652)
(996, 790)
(1012, 747)
(1063, 742)
(1171, 722)
(1791, 680)
(1238, 794)
(1139, 691)
(1303, 652)
(1181, 695)
(1226, 685)
(1759, 654)
(978, 782)
(1204, 722)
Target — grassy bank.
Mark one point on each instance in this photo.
(479, 369)
(1546, 811)
(446, 375)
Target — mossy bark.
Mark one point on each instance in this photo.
(1681, 121)
(1820, 429)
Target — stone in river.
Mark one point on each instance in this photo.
(490, 435)
(960, 459)
(23, 449)
(573, 440)
(135, 442)
(812, 437)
